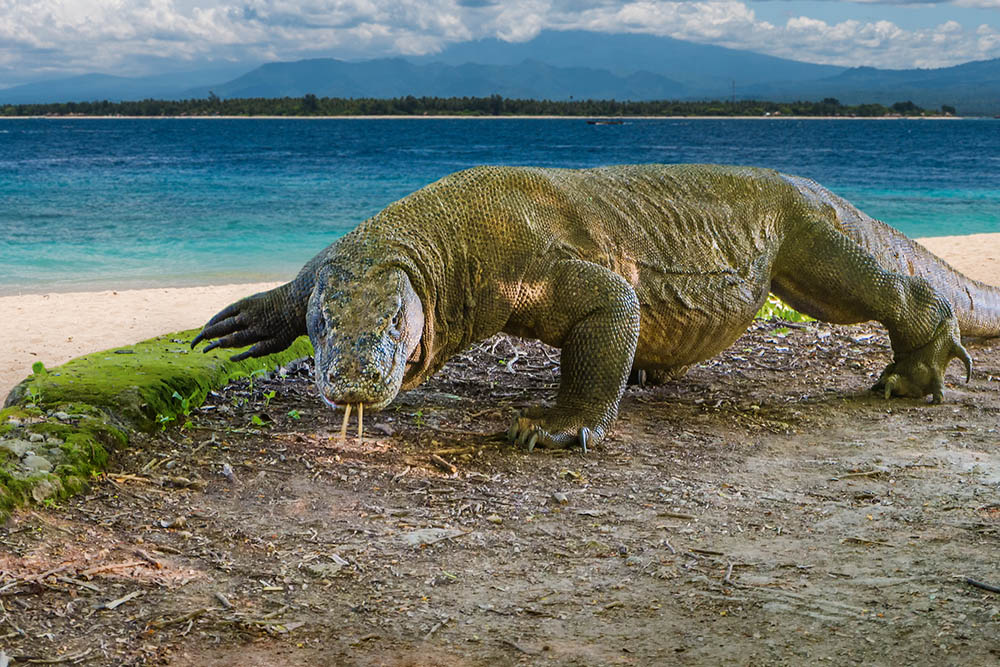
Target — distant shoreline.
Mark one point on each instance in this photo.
(484, 117)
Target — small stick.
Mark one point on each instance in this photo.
(132, 478)
(180, 619)
(223, 600)
(444, 465)
(361, 422)
(111, 566)
(517, 647)
(148, 558)
(861, 540)
(454, 450)
(980, 584)
(120, 601)
(55, 661)
(48, 573)
(707, 552)
(436, 627)
(866, 473)
(343, 427)
(77, 582)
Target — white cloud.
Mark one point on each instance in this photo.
(125, 36)
(732, 23)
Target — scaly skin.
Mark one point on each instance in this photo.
(644, 269)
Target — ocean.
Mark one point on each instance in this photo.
(122, 203)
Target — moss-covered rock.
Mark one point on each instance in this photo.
(75, 415)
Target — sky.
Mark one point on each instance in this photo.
(46, 39)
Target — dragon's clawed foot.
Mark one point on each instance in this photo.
(920, 372)
(553, 429)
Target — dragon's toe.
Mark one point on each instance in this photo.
(551, 432)
(920, 372)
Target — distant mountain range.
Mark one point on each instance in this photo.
(556, 65)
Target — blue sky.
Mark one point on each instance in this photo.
(42, 39)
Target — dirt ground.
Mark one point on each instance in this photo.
(764, 510)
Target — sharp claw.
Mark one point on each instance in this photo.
(211, 346)
(891, 383)
(532, 441)
(512, 432)
(963, 354)
(585, 436)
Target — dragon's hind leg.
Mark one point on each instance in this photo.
(826, 275)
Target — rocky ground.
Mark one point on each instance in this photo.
(764, 510)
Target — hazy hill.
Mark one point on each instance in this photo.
(398, 77)
(701, 67)
(558, 66)
(971, 87)
(88, 87)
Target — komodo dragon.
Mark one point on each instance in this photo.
(627, 268)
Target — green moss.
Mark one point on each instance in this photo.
(93, 403)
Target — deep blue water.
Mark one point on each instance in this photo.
(121, 203)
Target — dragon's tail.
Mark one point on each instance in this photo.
(975, 304)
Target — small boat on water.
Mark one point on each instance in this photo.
(605, 122)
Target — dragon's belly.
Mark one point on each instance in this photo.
(687, 318)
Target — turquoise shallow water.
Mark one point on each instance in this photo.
(117, 203)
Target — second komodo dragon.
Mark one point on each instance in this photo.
(628, 269)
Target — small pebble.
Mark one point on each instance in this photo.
(560, 497)
(494, 518)
(178, 522)
(36, 437)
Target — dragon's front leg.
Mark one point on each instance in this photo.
(593, 315)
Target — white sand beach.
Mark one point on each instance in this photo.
(54, 328)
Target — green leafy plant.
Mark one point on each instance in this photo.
(164, 420)
(253, 374)
(268, 395)
(185, 403)
(38, 368)
(776, 309)
(256, 420)
(294, 414)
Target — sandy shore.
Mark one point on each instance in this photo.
(54, 328)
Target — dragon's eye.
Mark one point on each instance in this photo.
(397, 319)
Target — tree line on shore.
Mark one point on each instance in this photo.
(495, 105)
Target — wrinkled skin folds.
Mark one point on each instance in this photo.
(634, 271)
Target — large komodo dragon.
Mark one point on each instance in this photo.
(627, 269)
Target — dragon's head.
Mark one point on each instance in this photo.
(364, 329)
